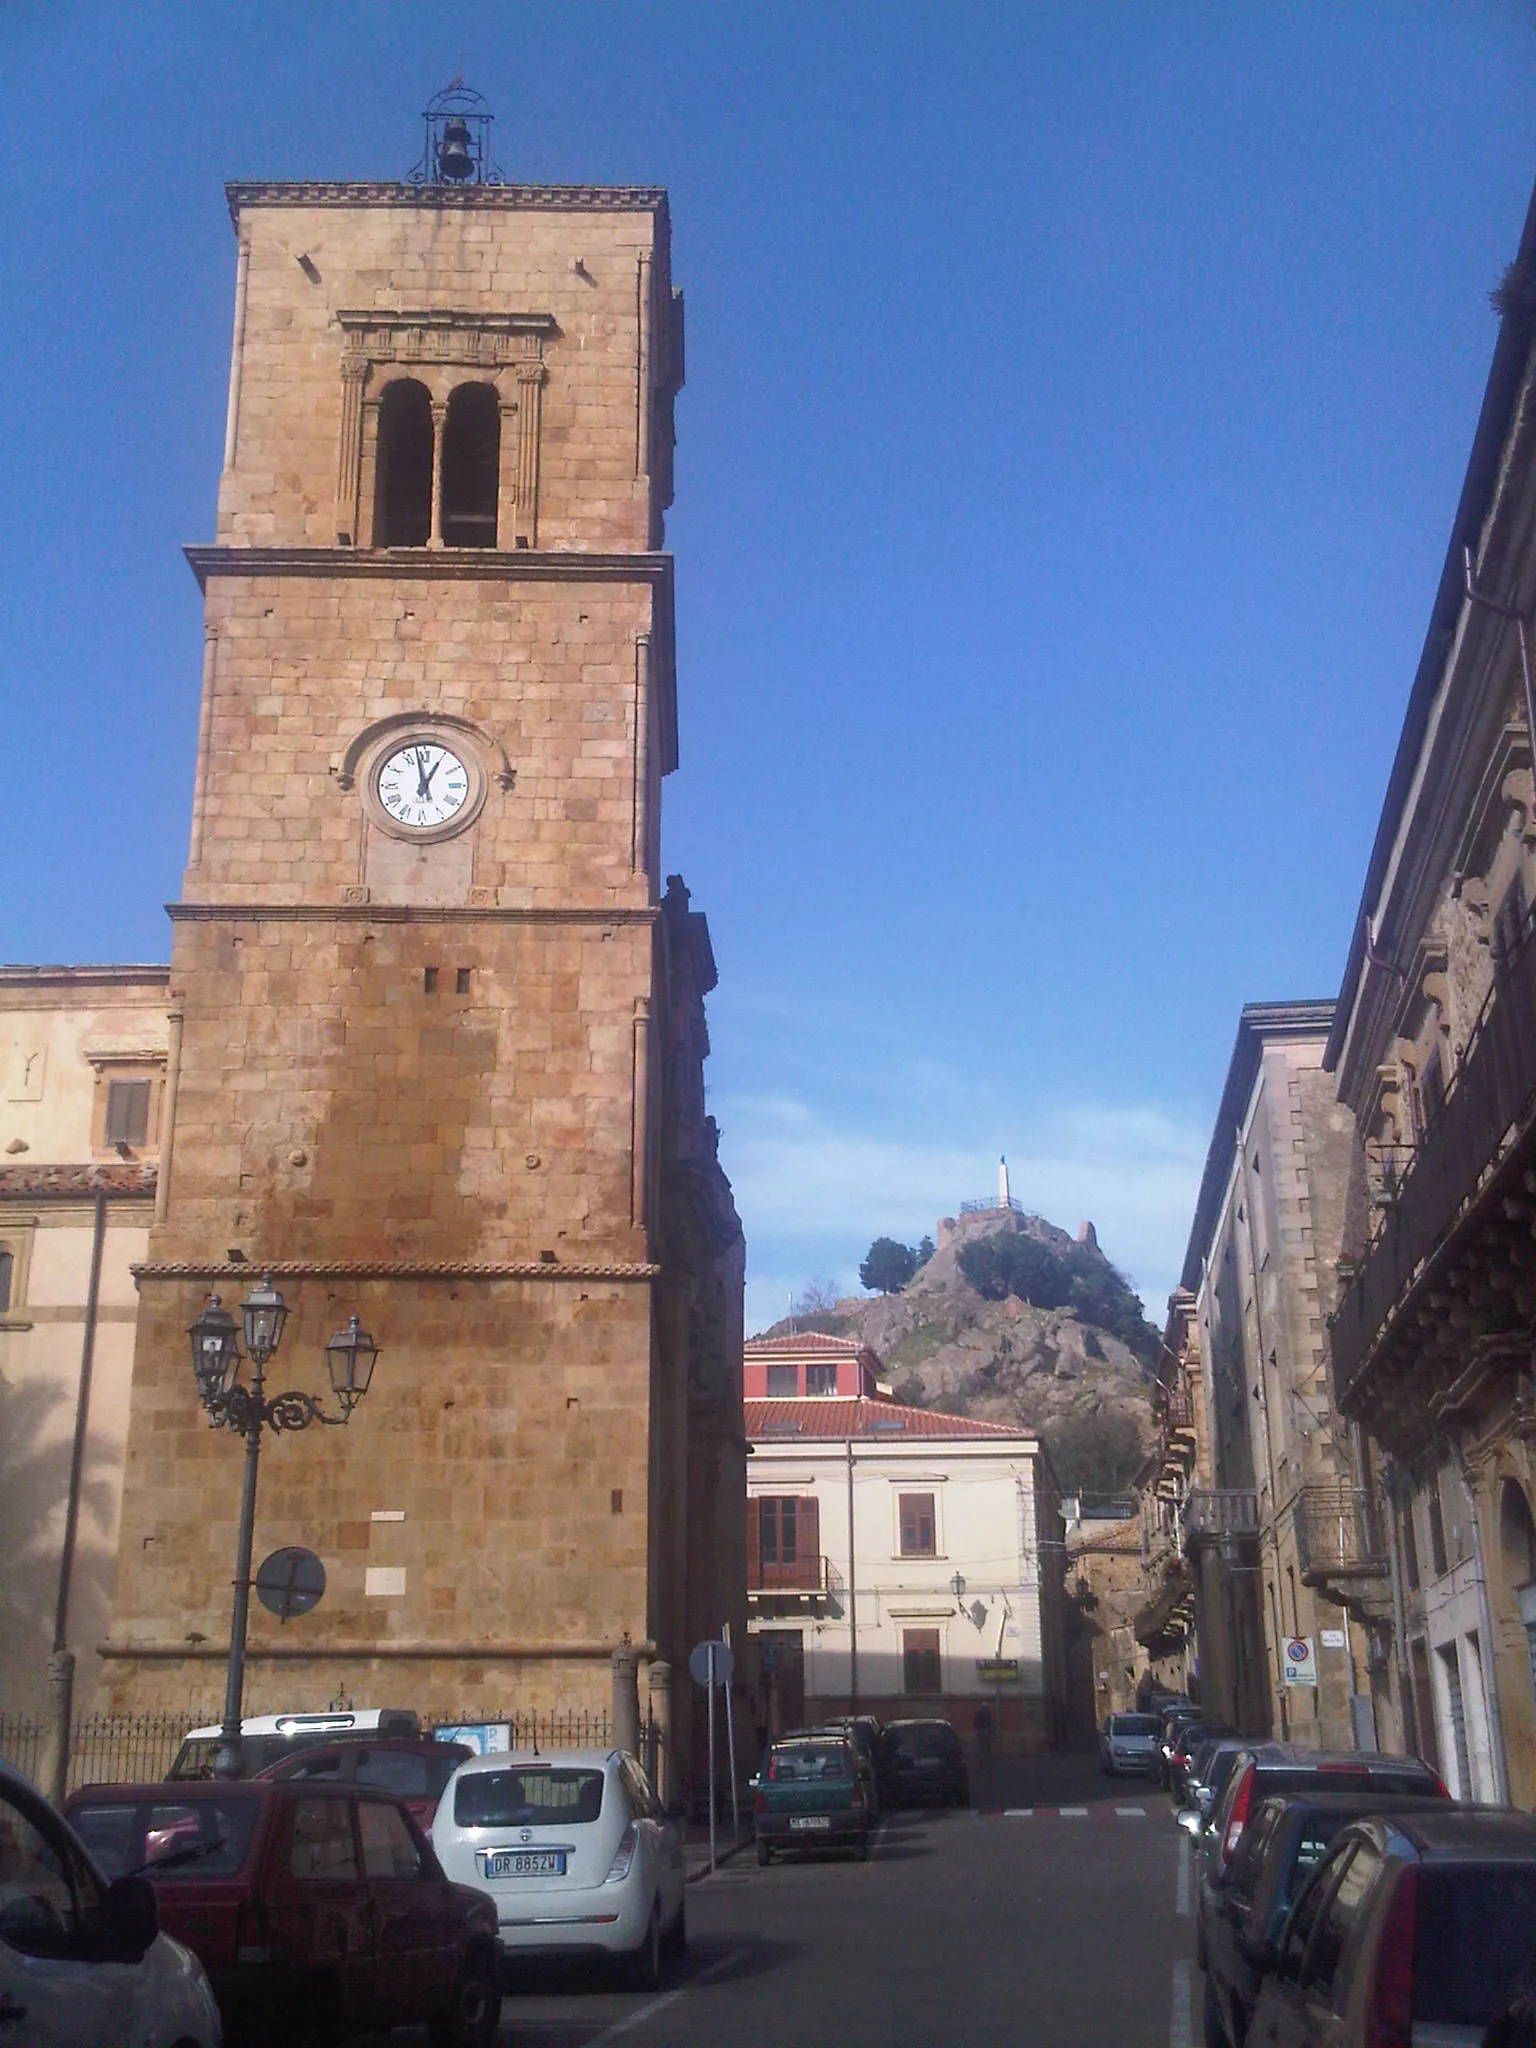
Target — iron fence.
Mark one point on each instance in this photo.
(1492, 1091)
(140, 1748)
(104, 1748)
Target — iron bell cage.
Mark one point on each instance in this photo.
(457, 149)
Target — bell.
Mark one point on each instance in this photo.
(454, 160)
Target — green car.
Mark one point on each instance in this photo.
(808, 1795)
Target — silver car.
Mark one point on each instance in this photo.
(576, 1852)
(1129, 1742)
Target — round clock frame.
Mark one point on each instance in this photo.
(453, 742)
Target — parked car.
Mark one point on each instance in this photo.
(1170, 1722)
(267, 1738)
(1277, 1767)
(1410, 1929)
(1282, 1845)
(1192, 1735)
(862, 1732)
(809, 1793)
(922, 1761)
(1206, 1778)
(83, 1962)
(576, 1852)
(415, 1768)
(318, 1911)
(1128, 1742)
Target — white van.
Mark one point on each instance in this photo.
(268, 1738)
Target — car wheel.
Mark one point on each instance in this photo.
(764, 1853)
(643, 1966)
(476, 2010)
(676, 1936)
(1214, 2033)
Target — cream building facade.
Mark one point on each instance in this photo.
(82, 1057)
(904, 1563)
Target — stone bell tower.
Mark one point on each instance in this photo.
(437, 1038)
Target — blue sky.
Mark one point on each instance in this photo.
(1078, 396)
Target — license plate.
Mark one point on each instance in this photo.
(525, 1863)
(810, 1820)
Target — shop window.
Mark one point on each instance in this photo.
(403, 504)
(921, 1664)
(471, 467)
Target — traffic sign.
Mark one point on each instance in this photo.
(711, 1662)
(1300, 1663)
(290, 1582)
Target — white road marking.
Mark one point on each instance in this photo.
(631, 2020)
(1132, 1812)
(1073, 1812)
(1018, 1813)
(1181, 1898)
(1181, 2033)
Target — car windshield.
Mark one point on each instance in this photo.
(194, 1760)
(806, 1762)
(1133, 1724)
(529, 1795)
(191, 1840)
(1475, 1929)
(924, 1741)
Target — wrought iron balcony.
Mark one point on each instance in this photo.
(1336, 1535)
(1212, 1512)
(805, 1577)
(1491, 1099)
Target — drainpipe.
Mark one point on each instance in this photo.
(1269, 1447)
(853, 1596)
(61, 1663)
(1490, 1658)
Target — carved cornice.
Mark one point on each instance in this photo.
(69, 1183)
(405, 913)
(438, 565)
(289, 1653)
(450, 198)
(444, 336)
(391, 1269)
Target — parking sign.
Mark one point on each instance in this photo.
(1300, 1662)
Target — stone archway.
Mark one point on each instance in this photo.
(1515, 1633)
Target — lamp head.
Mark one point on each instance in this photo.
(215, 1351)
(264, 1313)
(349, 1358)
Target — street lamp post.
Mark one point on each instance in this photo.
(216, 1360)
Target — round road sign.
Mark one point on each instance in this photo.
(711, 1652)
(290, 1582)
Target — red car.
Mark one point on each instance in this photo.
(318, 1911)
(414, 1768)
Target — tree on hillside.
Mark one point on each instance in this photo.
(816, 1297)
(924, 1251)
(1001, 1265)
(888, 1266)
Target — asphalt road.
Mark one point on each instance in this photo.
(1061, 1929)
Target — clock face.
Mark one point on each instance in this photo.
(422, 785)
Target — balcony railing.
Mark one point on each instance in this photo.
(1335, 1534)
(796, 1575)
(1492, 1091)
(1221, 1511)
(1178, 1413)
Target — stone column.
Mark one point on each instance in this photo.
(530, 393)
(368, 470)
(439, 420)
(349, 455)
(625, 1733)
(661, 1719)
(640, 799)
(640, 1135)
(507, 455)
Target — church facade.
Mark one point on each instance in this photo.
(437, 1029)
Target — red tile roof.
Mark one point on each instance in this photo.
(842, 1416)
(805, 1340)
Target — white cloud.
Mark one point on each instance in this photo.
(814, 1191)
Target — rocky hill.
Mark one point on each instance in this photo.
(1054, 1369)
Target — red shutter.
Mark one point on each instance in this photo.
(754, 1544)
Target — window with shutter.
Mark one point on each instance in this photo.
(127, 1112)
(920, 1660)
(917, 1525)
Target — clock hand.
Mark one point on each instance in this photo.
(422, 778)
(427, 787)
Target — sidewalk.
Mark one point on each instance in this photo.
(696, 1845)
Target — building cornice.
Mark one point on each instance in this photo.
(83, 977)
(392, 1269)
(436, 565)
(291, 1653)
(68, 1183)
(447, 198)
(406, 913)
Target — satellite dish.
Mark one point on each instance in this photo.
(290, 1582)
